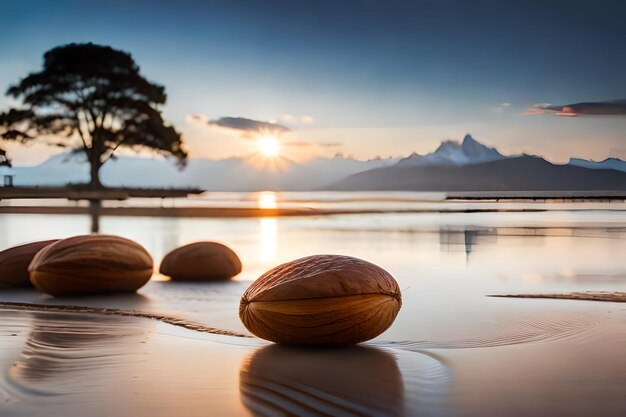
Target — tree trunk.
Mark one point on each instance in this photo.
(95, 173)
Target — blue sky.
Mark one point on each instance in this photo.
(376, 78)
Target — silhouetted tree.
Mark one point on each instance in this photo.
(4, 159)
(91, 98)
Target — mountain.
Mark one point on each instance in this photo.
(452, 152)
(609, 163)
(453, 166)
(233, 174)
(522, 173)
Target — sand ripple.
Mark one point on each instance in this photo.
(543, 328)
(176, 321)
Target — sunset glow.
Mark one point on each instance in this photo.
(266, 200)
(268, 146)
(410, 208)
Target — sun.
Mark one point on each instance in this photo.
(268, 146)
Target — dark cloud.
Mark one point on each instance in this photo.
(247, 125)
(591, 108)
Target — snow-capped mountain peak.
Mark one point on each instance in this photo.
(452, 152)
(608, 163)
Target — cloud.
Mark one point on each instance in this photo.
(247, 125)
(302, 143)
(298, 143)
(307, 120)
(290, 118)
(591, 108)
(500, 108)
(251, 129)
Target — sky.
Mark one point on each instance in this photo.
(359, 78)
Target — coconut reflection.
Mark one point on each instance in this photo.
(358, 380)
(64, 351)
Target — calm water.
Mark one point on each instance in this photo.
(452, 350)
(445, 262)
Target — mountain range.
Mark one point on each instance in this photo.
(233, 174)
(608, 163)
(472, 166)
(467, 165)
(520, 173)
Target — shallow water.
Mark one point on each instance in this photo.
(445, 263)
(57, 363)
(491, 356)
(61, 362)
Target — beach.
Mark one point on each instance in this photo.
(411, 208)
(179, 348)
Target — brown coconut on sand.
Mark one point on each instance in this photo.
(14, 263)
(201, 261)
(91, 264)
(321, 300)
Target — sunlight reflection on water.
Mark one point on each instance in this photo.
(439, 259)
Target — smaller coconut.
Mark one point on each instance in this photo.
(14, 263)
(201, 261)
(91, 264)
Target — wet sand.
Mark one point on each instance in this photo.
(614, 297)
(71, 361)
(175, 321)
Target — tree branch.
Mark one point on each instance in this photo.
(82, 137)
(113, 149)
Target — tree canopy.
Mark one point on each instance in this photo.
(92, 99)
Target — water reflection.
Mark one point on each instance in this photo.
(427, 253)
(466, 239)
(267, 200)
(268, 236)
(359, 380)
(64, 351)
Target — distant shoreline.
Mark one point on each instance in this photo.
(158, 210)
(77, 192)
(228, 212)
(81, 192)
(538, 195)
